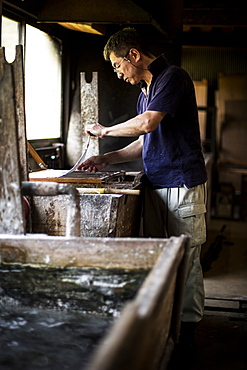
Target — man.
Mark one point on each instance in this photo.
(169, 144)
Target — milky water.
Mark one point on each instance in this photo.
(54, 318)
(33, 339)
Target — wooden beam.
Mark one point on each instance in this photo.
(55, 251)
(11, 206)
(96, 11)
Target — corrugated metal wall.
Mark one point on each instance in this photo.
(208, 62)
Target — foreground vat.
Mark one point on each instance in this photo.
(143, 335)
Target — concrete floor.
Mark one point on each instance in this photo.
(222, 335)
(221, 343)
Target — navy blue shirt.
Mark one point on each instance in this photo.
(172, 154)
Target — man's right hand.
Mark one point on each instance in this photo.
(94, 163)
(95, 130)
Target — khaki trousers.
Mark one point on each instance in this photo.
(172, 212)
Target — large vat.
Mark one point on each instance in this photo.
(110, 205)
(146, 322)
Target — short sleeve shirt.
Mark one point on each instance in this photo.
(172, 154)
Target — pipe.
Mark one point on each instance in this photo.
(53, 188)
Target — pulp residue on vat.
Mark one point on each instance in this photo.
(90, 290)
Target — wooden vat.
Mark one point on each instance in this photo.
(143, 336)
(110, 206)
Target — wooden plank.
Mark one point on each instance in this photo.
(67, 180)
(201, 90)
(231, 88)
(109, 191)
(81, 177)
(11, 207)
(36, 156)
(77, 139)
(89, 98)
(231, 126)
(141, 339)
(43, 250)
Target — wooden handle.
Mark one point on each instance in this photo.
(108, 191)
(36, 157)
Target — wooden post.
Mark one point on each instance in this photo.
(18, 73)
(89, 110)
(11, 206)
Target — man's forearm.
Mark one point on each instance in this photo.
(131, 152)
(130, 128)
(139, 125)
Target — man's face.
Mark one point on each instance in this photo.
(124, 69)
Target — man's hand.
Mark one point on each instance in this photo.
(94, 164)
(95, 130)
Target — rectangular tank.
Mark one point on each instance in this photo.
(90, 303)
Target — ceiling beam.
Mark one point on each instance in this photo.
(96, 11)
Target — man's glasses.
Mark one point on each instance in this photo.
(115, 69)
